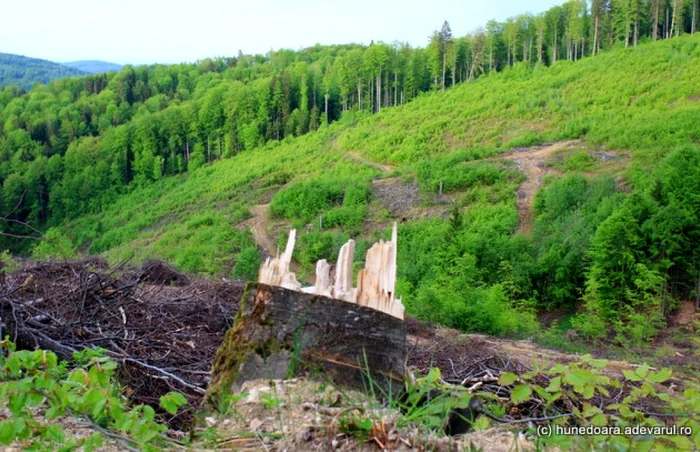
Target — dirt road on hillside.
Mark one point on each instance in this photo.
(531, 162)
(379, 166)
(258, 225)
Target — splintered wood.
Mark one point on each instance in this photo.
(376, 283)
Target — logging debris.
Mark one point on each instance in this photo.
(161, 327)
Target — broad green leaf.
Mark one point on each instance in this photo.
(599, 420)
(642, 371)
(631, 376)
(520, 394)
(557, 369)
(598, 363)
(554, 384)
(660, 376)
(507, 379)
(7, 432)
(172, 401)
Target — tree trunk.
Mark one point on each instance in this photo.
(379, 90)
(396, 87)
(326, 107)
(280, 333)
(693, 20)
(655, 25)
(444, 65)
(359, 94)
(595, 36)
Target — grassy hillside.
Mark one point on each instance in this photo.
(461, 258)
(25, 72)
(93, 67)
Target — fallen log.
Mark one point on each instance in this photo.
(282, 333)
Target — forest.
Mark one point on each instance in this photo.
(166, 161)
(26, 72)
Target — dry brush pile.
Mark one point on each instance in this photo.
(161, 327)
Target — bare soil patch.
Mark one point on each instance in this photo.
(531, 162)
(259, 225)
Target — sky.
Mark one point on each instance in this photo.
(175, 31)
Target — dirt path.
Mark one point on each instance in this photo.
(258, 226)
(379, 166)
(530, 161)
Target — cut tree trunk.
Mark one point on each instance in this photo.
(281, 333)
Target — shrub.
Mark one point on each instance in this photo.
(247, 264)
(54, 245)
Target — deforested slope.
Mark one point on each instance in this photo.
(461, 258)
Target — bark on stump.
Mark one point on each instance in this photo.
(280, 333)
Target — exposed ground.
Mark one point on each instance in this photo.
(383, 167)
(259, 226)
(531, 162)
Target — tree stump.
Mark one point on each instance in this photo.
(281, 333)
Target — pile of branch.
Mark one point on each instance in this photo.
(162, 328)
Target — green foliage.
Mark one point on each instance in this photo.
(344, 202)
(34, 382)
(428, 402)
(25, 72)
(247, 264)
(317, 245)
(457, 176)
(568, 213)
(642, 249)
(7, 263)
(578, 161)
(578, 384)
(54, 245)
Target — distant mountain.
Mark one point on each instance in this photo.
(94, 67)
(25, 71)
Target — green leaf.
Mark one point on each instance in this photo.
(78, 376)
(599, 420)
(55, 433)
(664, 397)
(557, 369)
(520, 394)
(365, 424)
(13, 365)
(589, 410)
(631, 376)
(507, 379)
(7, 432)
(642, 371)
(53, 412)
(433, 375)
(598, 363)
(660, 376)
(172, 401)
(34, 399)
(554, 384)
